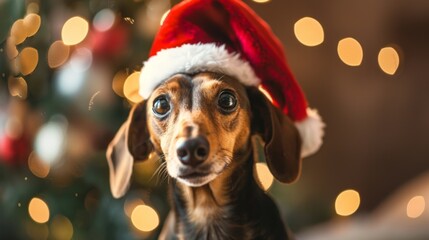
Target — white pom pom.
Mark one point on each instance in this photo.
(311, 131)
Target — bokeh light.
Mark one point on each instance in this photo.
(36, 231)
(118, 82)
(38, 210)
(131, 88)
(74, 30)
(61, 228)
(58, 54)
(416, 206)
(350, 51)
(104, 20)
(18, 87)
(264, 176)
(347, 202)
(164, 16)
(11, 50)
(37, 166)
(33, 7)
(144, 218)
(50, 140)
(309, 31)
(18, 31)
(81, 59)
(28, 59)
(388, 60)
(13, 128)
(130, 204)
(32, 24)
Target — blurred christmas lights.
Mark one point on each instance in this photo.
(50, 143)
(347, 202)
(37, 166)
(350, 51)
(32, 24)
(130, 204)
(104, 20)
(309, 31)
(18, 31)
(118, 82)
(18, 87)
(416, 206)
(28, 60)
(388, 60)
(38, 210)
(58, 54)
(61, 228)
(131, 88)
(144, 218)
(74, 30)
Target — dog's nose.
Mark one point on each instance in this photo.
(193, 151)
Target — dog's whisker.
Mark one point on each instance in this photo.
(159, 170)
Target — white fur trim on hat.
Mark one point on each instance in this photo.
(193, 58)
(311, 131)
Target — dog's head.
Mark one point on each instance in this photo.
(201, 125)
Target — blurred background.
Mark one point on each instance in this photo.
(69, 74)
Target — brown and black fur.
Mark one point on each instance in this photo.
(231, 205)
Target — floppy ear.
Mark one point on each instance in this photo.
(281, 137)
(130, 143)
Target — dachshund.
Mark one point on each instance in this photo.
(201, 125)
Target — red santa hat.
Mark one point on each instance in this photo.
(226, 36)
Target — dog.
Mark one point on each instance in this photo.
(201, 127)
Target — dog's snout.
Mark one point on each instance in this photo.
(192, 151)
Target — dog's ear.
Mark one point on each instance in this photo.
(130, 143)
(281, 137)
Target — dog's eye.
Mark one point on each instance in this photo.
(161, 106)
(227, 101)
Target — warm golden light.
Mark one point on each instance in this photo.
(33, 7)
(58, 54)
(164, 16)
(416, 206)
(309, 31)
(61, 228)
(144, 218)
(131, 88)
(38, 210)
(18, 31)
(130, 204)
(347, 202)
(11, 50)
(118, 82)
(17, 87)
(32, 24)
(38, 167)
(264, 176)
(28, 59)
(388, 60)
(350, 51)
(74, 31)
(36, 231)
(261, 1)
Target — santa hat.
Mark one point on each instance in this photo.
(226, 36)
